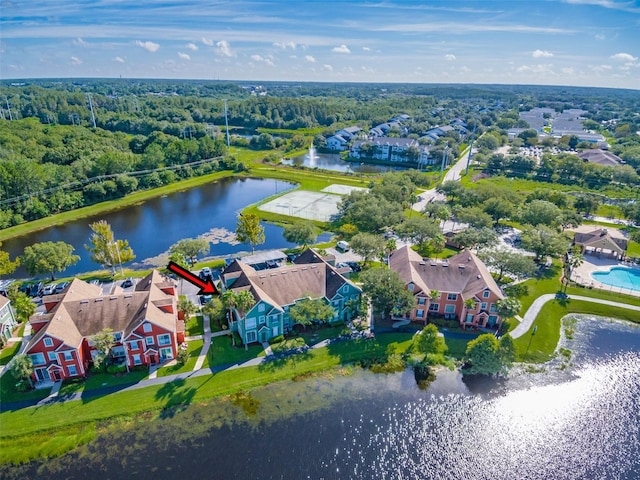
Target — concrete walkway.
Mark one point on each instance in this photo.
(536, 306)
(267, 349)
(206, 321)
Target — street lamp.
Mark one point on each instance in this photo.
(533, 332)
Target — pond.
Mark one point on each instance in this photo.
(577, 421)
(152, 227)
(333, 161)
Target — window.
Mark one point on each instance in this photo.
(135, 345)
(493, 308)
(449, 309)
(149, 340)
(261, 319)
(147, 328)
(486, 294)
(251, 336)
(274, 320)
(117, 336)
(166, 354)
(469, 318)
(420, 313)
(410, 287)
(345, 289)
(452, 296)
(52, 356)
(434, 307)
(137, 360)
(48, 342)
(261, 307)
(68, 356)
(421, 300)
(37, 359)
(483, 306)
(72, 370)
(118, 351)
(164, 339)
(250, 323)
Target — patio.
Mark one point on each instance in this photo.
(593, 263)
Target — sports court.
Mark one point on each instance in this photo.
(321, 206)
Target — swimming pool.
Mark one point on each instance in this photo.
(621, 277)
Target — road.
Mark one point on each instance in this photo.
(453, 174)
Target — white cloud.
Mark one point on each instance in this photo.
(624, 6)
(266, 60)
(184, 56)
(118, 59)
(75, 61)
(225, 48)
(450, 57)
(285, 45)
(541, 54)
(600, 36)
(341, 49)
(309, 59)
(627, 57)
(366, 49)
(207, 41)
(80, 42)
(192, 46)
(148, 46)
(540, 68)
(327, 67)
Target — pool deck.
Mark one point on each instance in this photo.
(582, 274)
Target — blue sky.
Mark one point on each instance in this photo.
(552, 42)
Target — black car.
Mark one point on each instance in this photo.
(204, 299)
(36, 289)
(127, 283)
(355, 266)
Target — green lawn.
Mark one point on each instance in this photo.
(65, 415)
(8, 392)
(195, 326)
(101, 380)
(8, 352)
(194, 347)
(545, 341)
(221, 352)
(633, 249)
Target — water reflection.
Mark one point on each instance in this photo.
(333, 161)
(579, 423)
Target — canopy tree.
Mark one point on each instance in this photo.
(48, 257)
(429, 341)
(21, 303)
(486, 355)
(310, 310)
(386, 290)
(544, 241)
(418, 230)
(302, 233)
(190, 248)
(509, 262)
(249, 230)
(6, 265)
(105, 250)
(103, 342)
(367, 245)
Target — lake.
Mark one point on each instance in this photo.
(152, 227)
(333, 161)
(577, 421)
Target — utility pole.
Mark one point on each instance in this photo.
(93, 117)
(444, 157)
(8, 108)
(473, 136)
(226, 123)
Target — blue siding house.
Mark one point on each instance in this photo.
(277, 290)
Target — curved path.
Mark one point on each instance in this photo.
(536, 306)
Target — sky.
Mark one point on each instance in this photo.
(546, 42)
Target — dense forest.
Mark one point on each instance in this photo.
(70, 143)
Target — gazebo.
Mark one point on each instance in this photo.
(601, 243)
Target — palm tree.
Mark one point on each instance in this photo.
(574, 260)
(433, 295)
(470, 303)
(244, 301)
(228, 299)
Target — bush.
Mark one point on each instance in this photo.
(278, 339)
(183, 355)
(23, 386)
(116, 368)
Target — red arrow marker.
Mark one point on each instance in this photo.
(206, 286)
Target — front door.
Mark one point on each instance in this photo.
(152, 359)
(56, 375)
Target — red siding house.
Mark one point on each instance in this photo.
(458, 279)
(144, 322)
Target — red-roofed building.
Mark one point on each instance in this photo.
(145, 324)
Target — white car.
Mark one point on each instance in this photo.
(49, 289)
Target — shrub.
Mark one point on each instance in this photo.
(116, 369)
(278, 339)
(183, 355)
(23, 386)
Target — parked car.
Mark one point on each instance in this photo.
(205, 273)
(60, 288)
(127, 283)
(204, 299)
(272, 264)
(355, 266)
(49, 289)
(36, 289)
(344, 246)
